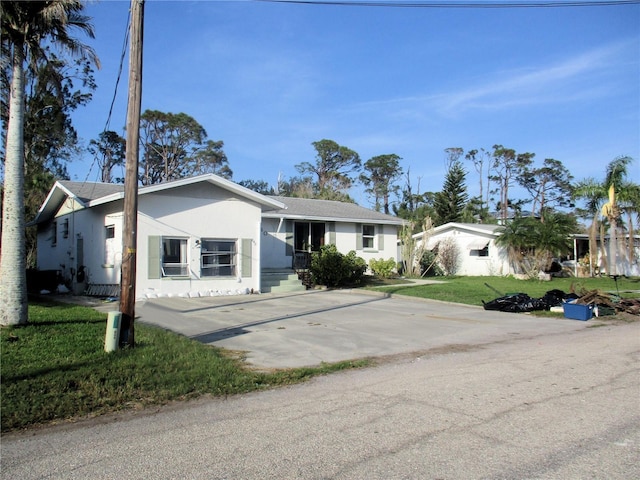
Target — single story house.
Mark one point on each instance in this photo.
(478, 253)
(480, 256)
(199, 236)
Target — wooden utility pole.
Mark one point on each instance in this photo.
(130, 233)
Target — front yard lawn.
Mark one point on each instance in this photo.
(473, 290)
(55, 368)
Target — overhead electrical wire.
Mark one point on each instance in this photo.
(123, 55)
(455, 4)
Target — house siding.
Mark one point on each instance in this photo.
(201, 212)
(84, 245)
(276, 252)
(470, 263)
(192, 212)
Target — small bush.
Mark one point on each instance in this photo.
(429, 266)
(331, 268)
(449, 256)
(382, 268)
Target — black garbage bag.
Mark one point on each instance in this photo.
(555, 298)
(521, 302)
(516, 303)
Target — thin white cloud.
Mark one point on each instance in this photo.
(585, 76)
(536, 85)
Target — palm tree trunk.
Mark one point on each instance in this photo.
(603, 251)
(593, 246)
(632, 242)
(13, 274)
(613, 247)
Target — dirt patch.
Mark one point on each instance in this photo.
(431, 352)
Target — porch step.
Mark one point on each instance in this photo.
(280, 281)
(102, 290)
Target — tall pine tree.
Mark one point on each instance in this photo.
(450, 202)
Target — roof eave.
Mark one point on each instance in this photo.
(318, 218)
(210, 178)
(52, 203)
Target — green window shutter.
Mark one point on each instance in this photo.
(246, 257)
(289, 237)
(332, 232)
(154, 257)
(381, 238)
(359, 236)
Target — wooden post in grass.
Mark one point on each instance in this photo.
(129, 235)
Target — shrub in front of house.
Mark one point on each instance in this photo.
(331, 268)
(429, 265)
(449, 256)
(382, 268)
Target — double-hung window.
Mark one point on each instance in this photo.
(368, 236)
(174, 257)
(218, 258)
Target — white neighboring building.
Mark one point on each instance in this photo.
(478, 253)
(480, 256)
(624, 265)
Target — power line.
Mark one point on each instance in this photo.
(125, 44)
(455, 4)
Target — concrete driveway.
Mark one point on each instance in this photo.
(305, 329)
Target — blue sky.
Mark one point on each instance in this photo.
(269, 79)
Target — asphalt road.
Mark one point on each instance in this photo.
(556, 405)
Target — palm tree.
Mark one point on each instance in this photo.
(25, 27)
(595, 194)
(533, 243)
(627, 195)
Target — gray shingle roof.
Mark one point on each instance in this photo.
(311, 209)
(297, 208)
(87, 191)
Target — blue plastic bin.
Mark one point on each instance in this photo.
(577, 312)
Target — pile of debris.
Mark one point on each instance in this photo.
(608, 300)
(521, 302)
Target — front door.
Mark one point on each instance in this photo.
(308, 237)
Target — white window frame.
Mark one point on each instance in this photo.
(65, 228)
(216, 261)
(169, 266)
(109, 245)
(368, 239)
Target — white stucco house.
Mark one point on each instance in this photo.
(480, 256)
(198, 236)
(478, 253)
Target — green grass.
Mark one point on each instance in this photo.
(473, 290)
(55, 368)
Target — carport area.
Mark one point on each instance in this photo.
(305, 329)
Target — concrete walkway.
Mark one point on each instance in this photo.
(305, 329)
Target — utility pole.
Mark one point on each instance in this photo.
(130, 234)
